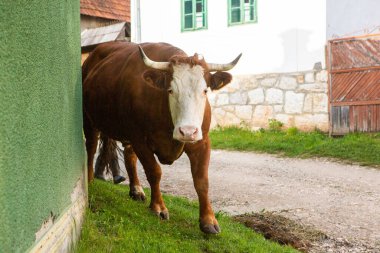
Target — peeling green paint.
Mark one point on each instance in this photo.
(41, 141)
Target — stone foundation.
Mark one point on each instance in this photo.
(296, 99)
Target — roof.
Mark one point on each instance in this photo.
(110, 9)
(94, 36)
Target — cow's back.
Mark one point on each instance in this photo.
(115, 96)
(100, 53)
(124, 57)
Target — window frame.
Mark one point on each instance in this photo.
(194, 16)
(242, 13)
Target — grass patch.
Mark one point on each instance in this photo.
(359, 148)
(115, 223)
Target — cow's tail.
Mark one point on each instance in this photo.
(107, 160)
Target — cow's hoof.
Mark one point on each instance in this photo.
(118, 179)
(137, 193)
(164, 215)
(210, 228)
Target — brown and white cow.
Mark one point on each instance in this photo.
(153, 98)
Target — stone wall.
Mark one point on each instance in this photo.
(296, 99)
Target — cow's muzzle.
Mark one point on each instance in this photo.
(187, 134)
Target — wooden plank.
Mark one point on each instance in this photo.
(340, 120)
(369, 102)
(352, 120)
(345, 119)
(369, 118)
(365, 36)
(374, 118)
(377, 118)
(350, 70)
(364, 112)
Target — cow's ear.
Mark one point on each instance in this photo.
(219, 80)
(155, 78)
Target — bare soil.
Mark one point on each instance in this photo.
(339, 201)
(282, 230)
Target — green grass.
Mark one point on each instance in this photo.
(115, 223)
(358, 148)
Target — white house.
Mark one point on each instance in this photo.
(347, 18)
(282, 72)
(273, 35)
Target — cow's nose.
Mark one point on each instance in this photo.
(188, 132)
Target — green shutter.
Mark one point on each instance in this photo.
(193, 15)
(242, 11)
(188, 7)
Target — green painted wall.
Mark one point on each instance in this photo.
(41, 140)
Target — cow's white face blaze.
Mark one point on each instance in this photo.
(187, 101)
(187, 92)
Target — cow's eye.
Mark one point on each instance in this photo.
(205, 91)
(170, 91)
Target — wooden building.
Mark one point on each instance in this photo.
(103, 21)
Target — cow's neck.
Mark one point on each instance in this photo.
(159, 127)
(154, 113)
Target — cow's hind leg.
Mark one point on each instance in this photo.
(136, 192)
(91, 135)
(153, 173)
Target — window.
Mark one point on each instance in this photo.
(241, 11)
(194, 15)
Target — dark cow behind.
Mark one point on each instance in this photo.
(152, 97)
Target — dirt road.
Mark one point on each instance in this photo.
(341, 200)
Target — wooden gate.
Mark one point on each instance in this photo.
(354, 84)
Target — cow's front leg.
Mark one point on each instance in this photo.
(199, 155)
(153, 173)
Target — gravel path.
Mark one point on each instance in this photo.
(343, 201)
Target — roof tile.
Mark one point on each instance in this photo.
(110, 9)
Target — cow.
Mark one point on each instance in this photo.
(152, 97)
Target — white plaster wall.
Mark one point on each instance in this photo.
(289, 35)
(346, 18)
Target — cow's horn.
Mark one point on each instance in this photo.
(223, 67)
(153, 64)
